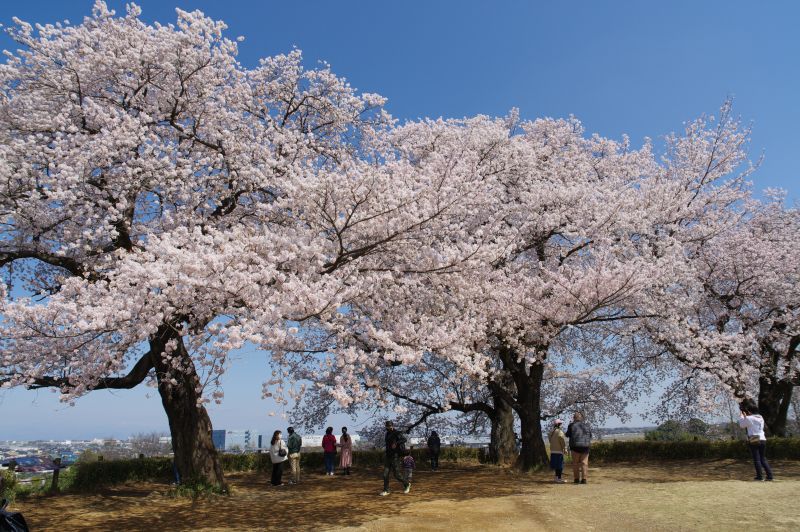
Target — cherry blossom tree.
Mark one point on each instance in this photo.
(162, 206)
(581, 230)
(153, 195)
(732, 316)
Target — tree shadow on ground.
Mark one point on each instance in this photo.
(322, 502)
(317, 502)
(690, 470)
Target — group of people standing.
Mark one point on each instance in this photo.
(398, 460)
(580, 440)
(329, 445)
(280, 452)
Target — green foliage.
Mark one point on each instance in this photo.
(697, 428)
(245, 462)
(197, 489)
(9, 485)
(777, 448)
(90, 475)
(670, 430)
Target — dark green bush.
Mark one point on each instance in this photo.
(9, 483)
(90, 475)
(777, 448)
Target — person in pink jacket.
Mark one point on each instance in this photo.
(346, 446)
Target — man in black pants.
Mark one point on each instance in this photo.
(395, 444)
(434, 448)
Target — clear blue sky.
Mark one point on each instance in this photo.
(635, 67)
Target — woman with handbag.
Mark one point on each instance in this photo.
(751, 420)
(278, 453)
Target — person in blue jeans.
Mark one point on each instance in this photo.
(329, 448)
(751, 420)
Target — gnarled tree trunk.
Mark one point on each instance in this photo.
(534, 452)
(527, 382)
(774, 399)
(190, 427)
(502, 447)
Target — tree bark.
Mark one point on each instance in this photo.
(502, 447)
(774, 399)
(196, 458)
(527, 403)
(534, 452)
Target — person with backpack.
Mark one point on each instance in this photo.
(434, 448)
(329, 450)
(580, 439)
(395, 447)
(751, 420)
(278, 454)
(294, 444)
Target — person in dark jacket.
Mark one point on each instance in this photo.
(434, 448)
(580, 439)
(395, 446)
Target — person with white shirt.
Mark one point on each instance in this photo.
(278, 454)
(752, 421)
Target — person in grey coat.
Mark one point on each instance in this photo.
(580, 439)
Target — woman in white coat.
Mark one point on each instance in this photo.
(278, 454)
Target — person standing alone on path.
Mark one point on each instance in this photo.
(580, 439)
(751, 420)
(395, 443)
(558, 446)
(329, 448)
(346, 445)
(294, 444)
(434, 448)
(277, 454)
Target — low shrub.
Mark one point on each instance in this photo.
(91, 475)
(8, 481)
(615, 451)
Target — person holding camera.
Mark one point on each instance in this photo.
(751, 420)
(278, 453)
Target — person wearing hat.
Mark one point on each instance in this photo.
(395, 446)
(558, 446)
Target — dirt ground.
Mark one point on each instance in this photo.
(718, 495)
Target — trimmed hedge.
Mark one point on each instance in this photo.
(616, 451)
(367, 458)
(86, 476)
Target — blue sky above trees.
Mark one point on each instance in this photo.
(640, 68)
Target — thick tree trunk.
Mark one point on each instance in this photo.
(502, 447)
(774, 399)
(190, 427)
(534, 452)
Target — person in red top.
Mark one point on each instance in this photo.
(329, 448)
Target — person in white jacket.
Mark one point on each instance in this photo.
(752, 421)
(278, 453)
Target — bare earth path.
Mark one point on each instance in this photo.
(716, 495)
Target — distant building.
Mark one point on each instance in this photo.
(236, 440)
(310, 441)
(218, 439)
